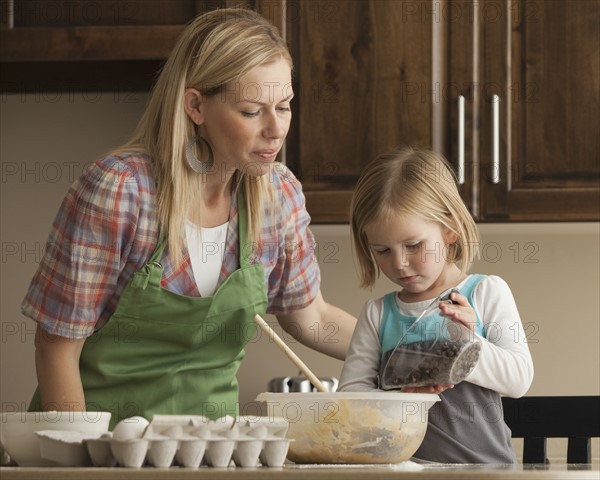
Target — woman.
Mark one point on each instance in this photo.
(162, 252)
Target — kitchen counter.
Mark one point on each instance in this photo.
(314, 472)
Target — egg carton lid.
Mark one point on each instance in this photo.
(191, 425)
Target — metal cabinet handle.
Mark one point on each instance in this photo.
(495, 173)
(460, 174)
(10, 14)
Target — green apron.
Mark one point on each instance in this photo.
(165, 353)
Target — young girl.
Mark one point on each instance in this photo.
(409, 222)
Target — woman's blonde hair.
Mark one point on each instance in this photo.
(216, 48)
(411, 182)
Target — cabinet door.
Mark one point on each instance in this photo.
(93, 45)
(542, 60)
(457, 28)
(363, 75)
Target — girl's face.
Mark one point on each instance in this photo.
(412, 253)
(247, 123)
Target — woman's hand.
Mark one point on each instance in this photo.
(460, 311)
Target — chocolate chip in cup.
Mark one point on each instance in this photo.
(431, 362)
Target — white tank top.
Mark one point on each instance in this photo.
(206, 247)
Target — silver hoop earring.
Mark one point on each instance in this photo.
(196, 165)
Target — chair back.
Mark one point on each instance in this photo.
(537, 418)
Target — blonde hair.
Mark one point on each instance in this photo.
(411, 182)
(216, 48)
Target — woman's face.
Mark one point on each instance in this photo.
(412, 253)
(248, 121)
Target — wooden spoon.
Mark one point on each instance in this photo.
(291, 355)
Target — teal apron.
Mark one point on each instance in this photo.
(165, 353)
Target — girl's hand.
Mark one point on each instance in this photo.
(428, 389)
(460, 311)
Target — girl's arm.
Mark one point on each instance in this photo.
(505, 363)
(361, 367)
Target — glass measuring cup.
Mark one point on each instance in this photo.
(434, 350)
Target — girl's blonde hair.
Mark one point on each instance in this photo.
(215, 49)
(411, 182)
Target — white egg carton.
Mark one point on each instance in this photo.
(173, 440)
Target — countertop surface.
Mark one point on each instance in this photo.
(314, 472)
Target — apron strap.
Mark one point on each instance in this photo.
(158, 250)
(246, 247)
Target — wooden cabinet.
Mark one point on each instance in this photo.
(529, 74)
(359, 64)
(508, 90)
(511, 85)
(97, 45)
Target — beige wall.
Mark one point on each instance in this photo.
(46, 140)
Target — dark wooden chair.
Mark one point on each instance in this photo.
(537, 418)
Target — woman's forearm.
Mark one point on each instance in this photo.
(57, 367)
(321, 326)
(336, 330)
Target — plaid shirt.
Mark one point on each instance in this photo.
(107, 228)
